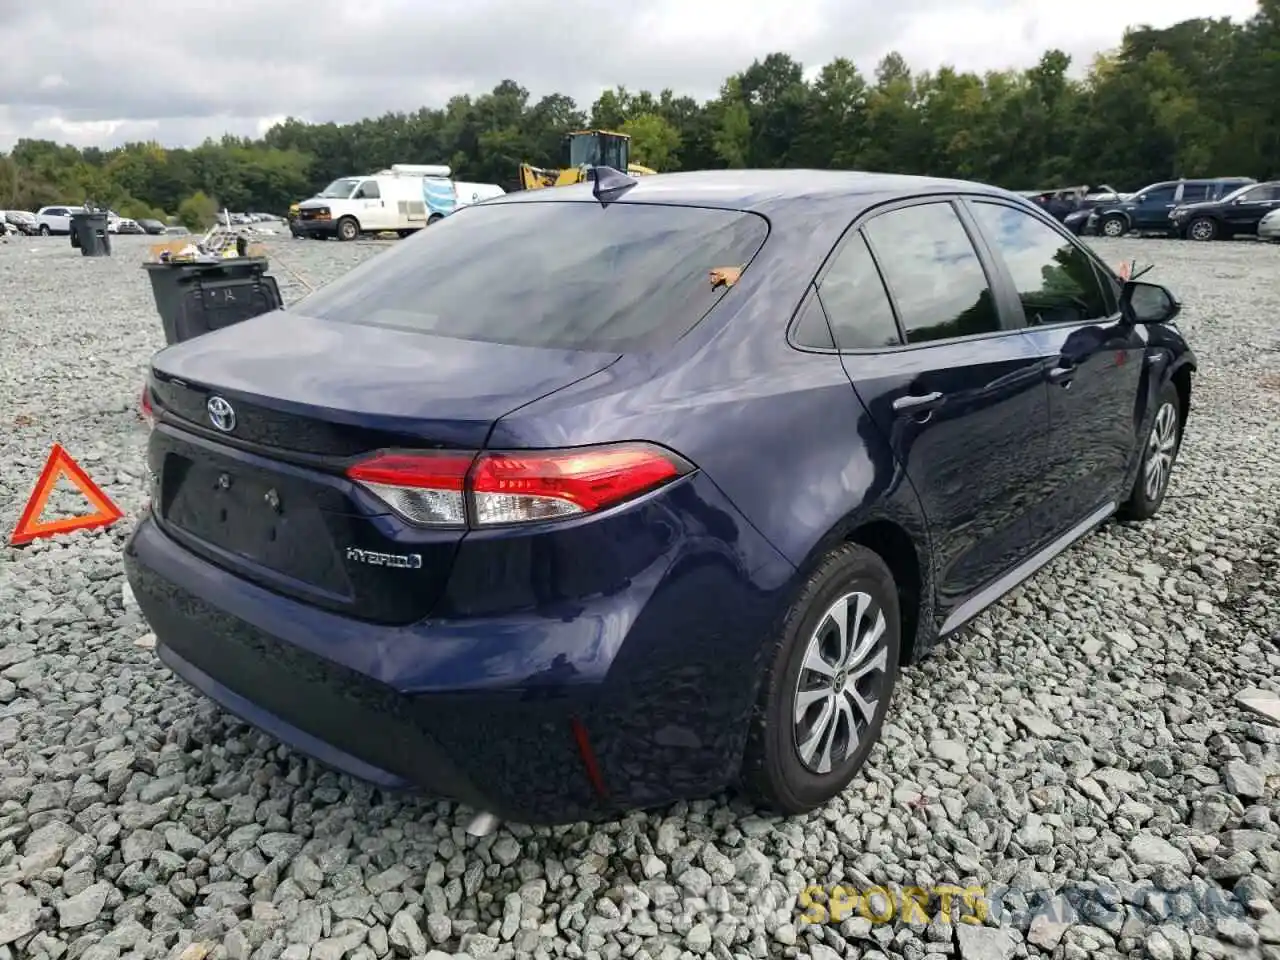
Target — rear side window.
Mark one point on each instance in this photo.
(568, 275)
(1195, 192)
(1264, 193)
(855, 300)
(934, 274)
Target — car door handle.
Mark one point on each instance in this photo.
(1062, 374)
(913, 404)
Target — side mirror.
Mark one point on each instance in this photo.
(1142, 303)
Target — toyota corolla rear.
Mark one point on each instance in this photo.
(337, 553)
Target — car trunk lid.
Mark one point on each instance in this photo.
(257, 422)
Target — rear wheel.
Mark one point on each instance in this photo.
(1163, 442)
(1114, 226)
(829, 682)
(1203, 229)
(348, 229)
(44, 230)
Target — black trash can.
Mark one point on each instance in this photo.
(196, 298)
(89, 233)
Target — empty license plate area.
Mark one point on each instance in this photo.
(272, 520)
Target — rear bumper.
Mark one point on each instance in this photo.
(660, 677)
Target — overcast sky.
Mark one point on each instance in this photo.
(102, 72)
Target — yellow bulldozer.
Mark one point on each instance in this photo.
(586, 149)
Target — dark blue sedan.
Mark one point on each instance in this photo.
(604, 496)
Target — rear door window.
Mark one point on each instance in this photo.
(933, 272)
(1195, 192)
(561, 274)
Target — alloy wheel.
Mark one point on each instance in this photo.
(1202, 230)
(841, 678)
(1161, 447)
(1113, 227)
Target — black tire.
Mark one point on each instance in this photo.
(1144, 502)
(44, 230)
(1113, 226)
(348, 229)
(434, 218)
(402, 234)
(774, 774)
(1203, 229)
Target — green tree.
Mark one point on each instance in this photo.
(655, 143)
(1194, 99)
(198, 211)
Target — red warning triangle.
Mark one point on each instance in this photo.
(61, 465)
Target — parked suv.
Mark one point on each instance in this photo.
(662, 510)
(1236, 214)
(1148, 210)
(55, 219)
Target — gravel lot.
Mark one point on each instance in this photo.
(1084, 744)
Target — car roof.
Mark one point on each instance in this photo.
(774, 193)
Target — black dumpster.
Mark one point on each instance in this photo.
(195, 298)
(89, 234)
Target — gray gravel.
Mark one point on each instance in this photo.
(1101, 752)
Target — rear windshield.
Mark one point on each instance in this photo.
(568, 275)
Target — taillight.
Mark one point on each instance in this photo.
(145, 409)
(449, 489)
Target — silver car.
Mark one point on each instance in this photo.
(1269, 226)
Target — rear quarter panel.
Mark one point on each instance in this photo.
(780, 431)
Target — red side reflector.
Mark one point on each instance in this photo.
(146, 410)
(588, 758)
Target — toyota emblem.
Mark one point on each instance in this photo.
(221, 414)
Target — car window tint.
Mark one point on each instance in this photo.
(811, 328)
(1261, 194)
(564, 274)
(1054, 277)
(934, 275)
(854, 298)
(1194, 192)
(1159, 195)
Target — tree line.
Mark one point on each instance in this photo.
(1195, 99)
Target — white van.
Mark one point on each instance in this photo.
(403, 198)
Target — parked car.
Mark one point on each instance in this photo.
(119, 224)
(177, 231)
(1236, 214)
(1077, 219)
(657, 511)
(1269, 226)
(154, 227)
(55, 220)
(1148, 210)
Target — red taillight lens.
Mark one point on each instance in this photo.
(146, 410)
(492, 489)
